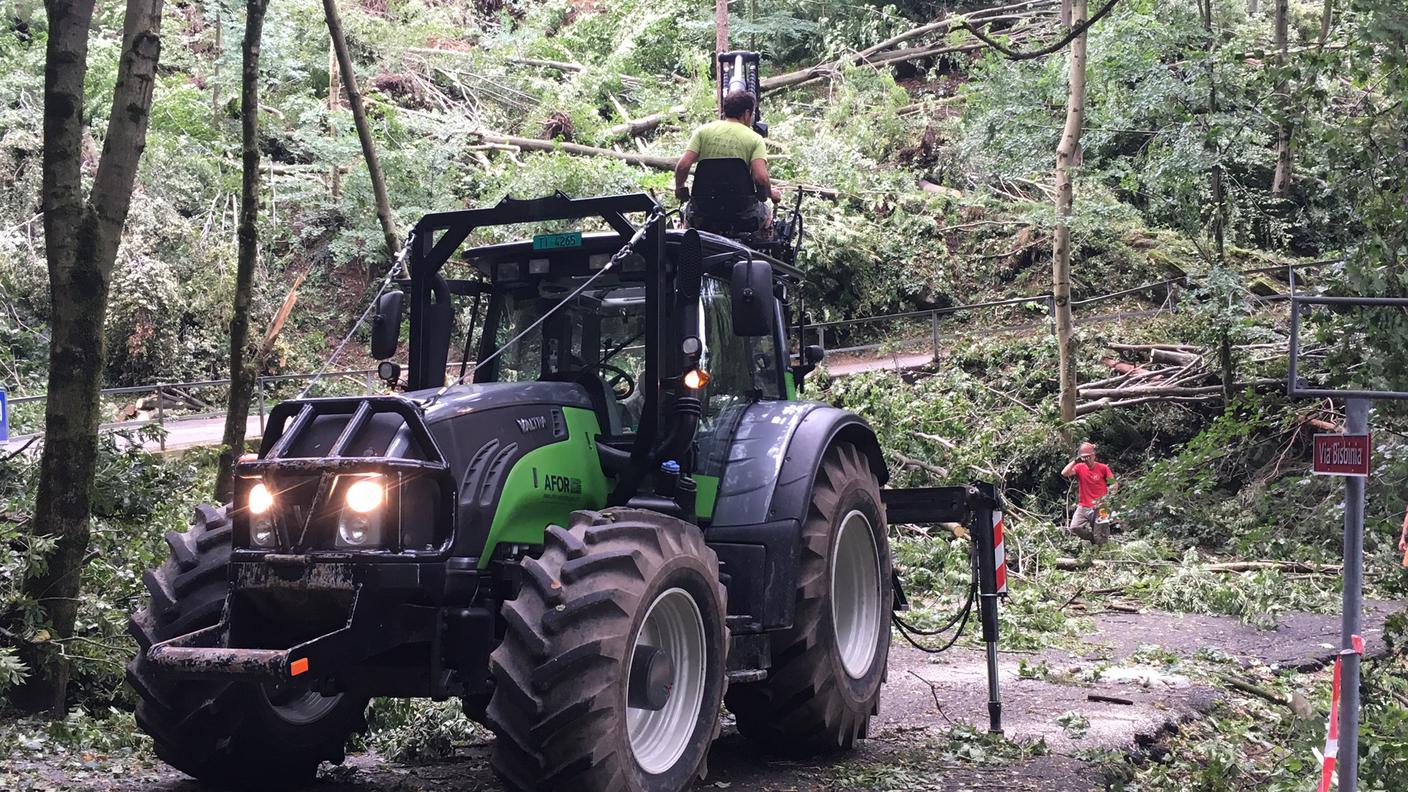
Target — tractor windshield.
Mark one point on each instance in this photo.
(597, 338)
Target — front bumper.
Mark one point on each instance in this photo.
(399, 629)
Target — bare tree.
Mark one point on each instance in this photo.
(364, 129)
(81, 239)
(244, 364)
(1281, 180)
(1067, 152)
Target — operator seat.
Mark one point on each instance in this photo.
(724, 199)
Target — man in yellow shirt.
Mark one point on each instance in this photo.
(730, 137)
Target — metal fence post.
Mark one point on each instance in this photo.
(161, 415)
(934, 321)
(259, 390)
(368, 376)
(821, 336)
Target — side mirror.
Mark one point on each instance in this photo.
(753, 304)
(386, 324)
(813, 354)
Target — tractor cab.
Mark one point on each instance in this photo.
(666, 338)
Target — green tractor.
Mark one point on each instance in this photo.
(620, 522)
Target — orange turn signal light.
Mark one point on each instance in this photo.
(696, 379)
(299, 666)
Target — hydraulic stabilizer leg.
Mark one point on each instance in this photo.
(992, 586)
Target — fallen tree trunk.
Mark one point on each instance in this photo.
(881, 54)
(659, 162)
(1067, 564)
(1163, 390)
(1096, 406)
(1148, 347)
(534, 144)
(640, 126)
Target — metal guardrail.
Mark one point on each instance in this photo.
(932, 315)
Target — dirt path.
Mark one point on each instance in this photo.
(929, 734)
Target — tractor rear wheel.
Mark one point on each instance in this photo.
(611, 673)
(827, 669)
(229, 734)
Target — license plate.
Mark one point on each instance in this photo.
(571, 239)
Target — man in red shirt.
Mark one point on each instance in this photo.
(1095, 480)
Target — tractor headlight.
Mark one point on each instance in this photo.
(360, 523)
(261, 516)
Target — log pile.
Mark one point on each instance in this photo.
(1170, 373)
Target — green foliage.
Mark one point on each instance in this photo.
(409, 730)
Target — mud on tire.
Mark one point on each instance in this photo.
(559, 707)
(227, 734)
(810, 703)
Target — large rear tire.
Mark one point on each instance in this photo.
(618, 588)
(228, 734)
(827, 669)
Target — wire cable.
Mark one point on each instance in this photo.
(910, 632)
(396, 267)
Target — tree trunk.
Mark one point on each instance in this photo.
(364, 130)
(81, 242)
(1282, 178)
(243, 365)
(720, 26)
(1327, 16)
(1066, 152)
(1219, 198)
(334, 90)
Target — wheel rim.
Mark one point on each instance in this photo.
(300, 706)
(675, 626)
(855, 594)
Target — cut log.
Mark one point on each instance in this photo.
(1174, 357)
(1123, 367)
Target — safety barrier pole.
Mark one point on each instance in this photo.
(259, 387)
(992, 585)
(161, 414)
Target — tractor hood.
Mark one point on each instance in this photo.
(508, 459)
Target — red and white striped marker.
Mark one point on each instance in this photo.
(999, 553)
(1332, 738)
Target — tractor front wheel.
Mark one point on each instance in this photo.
(611, 673)
(228, 734)
(827, 669)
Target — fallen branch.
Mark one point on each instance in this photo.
(1295, 702)
(911, 462)
(1101, 698)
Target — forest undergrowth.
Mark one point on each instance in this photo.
(936, 173)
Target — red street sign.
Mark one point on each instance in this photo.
(1341, 455)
